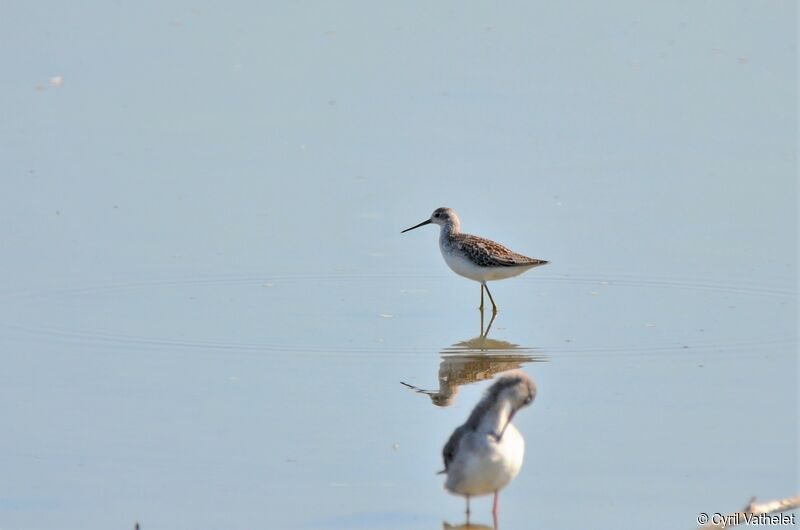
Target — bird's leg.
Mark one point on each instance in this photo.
(494, 505)
(467, 509)
(481, 306)
(491, 321)
(494, 306)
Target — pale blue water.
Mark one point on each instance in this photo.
(208, 309)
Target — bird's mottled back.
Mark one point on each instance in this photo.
(487, 253)
(450, 448)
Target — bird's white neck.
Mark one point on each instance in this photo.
(451, 228)
(495, 419)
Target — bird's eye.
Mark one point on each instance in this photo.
(437, 215)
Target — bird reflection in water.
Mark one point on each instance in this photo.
(467, 526)
(474, 360)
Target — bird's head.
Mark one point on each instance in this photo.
(440, 216)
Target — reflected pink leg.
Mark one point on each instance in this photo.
(494, 506)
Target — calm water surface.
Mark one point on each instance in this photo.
(209, 318)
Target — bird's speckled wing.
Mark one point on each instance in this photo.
(488, 253)
(450, 448)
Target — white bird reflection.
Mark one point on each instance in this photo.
(474, 360)
(467, 526)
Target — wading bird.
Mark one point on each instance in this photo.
(473, 257)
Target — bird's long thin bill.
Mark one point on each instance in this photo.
(423, 223)
(510, 417)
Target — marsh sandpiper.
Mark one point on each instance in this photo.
(473, 257)
(484, 454)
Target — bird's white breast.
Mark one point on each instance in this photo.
(462, 265)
